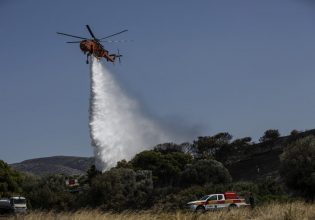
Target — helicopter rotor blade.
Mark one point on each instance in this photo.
(89, 29)
(69, 35)
(116, 41)
(73, 42)
(113, 34)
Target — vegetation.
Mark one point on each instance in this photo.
(120, 189)
(170, 175)
(203, 172)
(209, 146)
(48, 192)
(10, 180)
(270, 135)
(274, 211)
(166, 167)
(298, 167)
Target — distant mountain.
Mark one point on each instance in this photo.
(66, 165)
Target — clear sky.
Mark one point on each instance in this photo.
(220, 65)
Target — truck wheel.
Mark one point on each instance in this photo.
(232, 206)
(200, 209)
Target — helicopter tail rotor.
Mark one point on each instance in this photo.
(118, 55)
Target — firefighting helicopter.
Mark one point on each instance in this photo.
(94, 47)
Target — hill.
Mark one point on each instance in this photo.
(66, 165)
(248, 163)
(261, 159)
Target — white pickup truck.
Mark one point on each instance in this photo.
(16, 204)
(217, 201)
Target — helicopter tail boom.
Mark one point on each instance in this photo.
(114, 56)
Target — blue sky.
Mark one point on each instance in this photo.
(219, 65)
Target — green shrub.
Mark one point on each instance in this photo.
(165, 167)
(205, 171)
(179, 199)
(298, 167)
(119, 189)
(10, 180)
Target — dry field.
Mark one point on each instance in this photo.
(297, 210)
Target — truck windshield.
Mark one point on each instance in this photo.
(204, 198)
(19, 201)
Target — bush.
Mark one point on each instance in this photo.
(269, 185)
(243, 188)
(119, 189)
(205, 171)
(179, 199)
(48, 193)
(165, 167)
(298, 167)
(10, 180)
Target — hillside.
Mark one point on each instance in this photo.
(55, 165)
(261, 159)
(249, 163)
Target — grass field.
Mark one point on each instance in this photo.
(292, 211)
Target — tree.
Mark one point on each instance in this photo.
(168, 148)
(120, 189)
(205, 171)
(124, 164)
(207, 147)
(229, 151)
(295, 132)
(270, 135)
(48, 193)
(165, 167)
(242, 142)
(92, 172)
(294, 135)
(298, 166)
(185, 147)
(10, 180)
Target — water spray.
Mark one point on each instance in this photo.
(118, 129)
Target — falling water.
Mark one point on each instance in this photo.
(118, 129)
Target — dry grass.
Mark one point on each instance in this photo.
(297, 210)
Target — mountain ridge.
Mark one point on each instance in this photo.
(66, 165)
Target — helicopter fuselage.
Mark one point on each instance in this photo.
(95, 48)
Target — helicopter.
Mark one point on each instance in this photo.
(94, 47)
